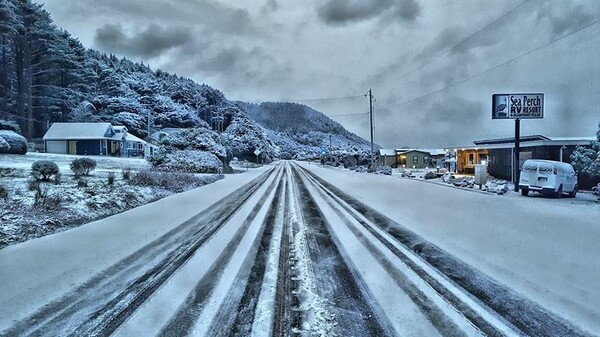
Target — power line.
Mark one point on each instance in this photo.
(496, 66)
(22, 117)
(316, 99)
(448, 50)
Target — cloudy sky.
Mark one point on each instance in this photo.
(430, 92)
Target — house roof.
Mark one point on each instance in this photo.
(528, 141)
(432, 152)
(403, 151)
(132, 138)
(387, 152)
(77, 131)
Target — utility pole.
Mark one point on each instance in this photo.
(516, 153)
(148, 124)
(371, 123)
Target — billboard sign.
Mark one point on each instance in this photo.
(517, 106)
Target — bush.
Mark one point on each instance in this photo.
(111, 178)
(44, 200)
(57, 178)
(82, 183)
(171, 181)
(430, 175)
(9, 125)
(186, 161)
(384, 170)
(44, 170)
(82, 166)
(126, 173)
(12, 143)
(3, 192)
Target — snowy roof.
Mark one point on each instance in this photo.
(132, 138)
(387, 152)
(432, 152)
(77, 131)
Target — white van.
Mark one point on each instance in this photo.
(548, 177)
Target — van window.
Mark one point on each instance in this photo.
(546, 168)
(529, 167)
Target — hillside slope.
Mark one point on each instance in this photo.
(47, 76)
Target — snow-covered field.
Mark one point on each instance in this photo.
(69, 204)
(301, 249)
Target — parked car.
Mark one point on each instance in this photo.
(548, 177)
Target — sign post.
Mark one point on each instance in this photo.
(517, 107)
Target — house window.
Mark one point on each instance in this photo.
(471, 158)
(130, 145)
(425, 159)
(415, 159)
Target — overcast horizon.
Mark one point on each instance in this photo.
(273, 51)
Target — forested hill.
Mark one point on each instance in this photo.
(302, 124)
(47, 76)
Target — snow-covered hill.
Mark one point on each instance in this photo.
(56, 79)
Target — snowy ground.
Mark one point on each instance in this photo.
(21, 220)
(546, 249)
(297, 249)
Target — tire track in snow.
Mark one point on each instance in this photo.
(197, 303)
(355, 313)
(98, 306)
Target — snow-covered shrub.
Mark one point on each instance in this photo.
(201, 139)
(186, 161)
(384, 170)
(430, 175)
(111, 178)
(12, 143)
(57, 179)
(9, 125)
(44, 170)
(171, 181)
(3, 192)
(126, 173)
(42, 199)
(4, 146)
(82, 183)
(82, 166)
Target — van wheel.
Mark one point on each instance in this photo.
(574, 193)
(524, 192)
(559, 192)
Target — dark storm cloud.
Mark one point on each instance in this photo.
(341, 12)
(149, 42)
(217, 16)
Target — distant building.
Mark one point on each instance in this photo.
(497, 154)
(93, 139)
(409, 158)
(387, 157)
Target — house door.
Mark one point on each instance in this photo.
(114, 148)
(72, 147)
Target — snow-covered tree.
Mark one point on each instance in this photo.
(587, 160)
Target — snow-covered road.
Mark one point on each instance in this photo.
(296, 249)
